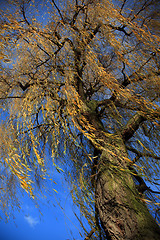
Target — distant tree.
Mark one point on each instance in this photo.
(81, 78)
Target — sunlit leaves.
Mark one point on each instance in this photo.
(68, 72)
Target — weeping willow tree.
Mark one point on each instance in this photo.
(81, 79)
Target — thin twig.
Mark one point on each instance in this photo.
(58, 10)
(90, 234)
(2, 98)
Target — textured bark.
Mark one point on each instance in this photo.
(122, 213)
(121, 209)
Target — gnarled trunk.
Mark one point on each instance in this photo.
(122, 213)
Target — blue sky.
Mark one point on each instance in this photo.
(53, 224)
(28, 226)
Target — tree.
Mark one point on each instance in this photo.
(83, 80)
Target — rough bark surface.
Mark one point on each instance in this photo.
(123, 214)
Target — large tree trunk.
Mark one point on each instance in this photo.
(122, 212)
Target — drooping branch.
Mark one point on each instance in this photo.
(145, 154)
(26, 86)
(135, 76)
(124, 1)
(142, 185)
(48, 36)
(58, 10)
(42, 49)
(10, 97)
(92, 34)
(121, 29)
(145, 5)
(132, 126)
(90, 234)
(76, 14)
(24, 15)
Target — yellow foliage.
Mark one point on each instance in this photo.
(74, 85)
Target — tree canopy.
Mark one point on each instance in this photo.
(80, 82)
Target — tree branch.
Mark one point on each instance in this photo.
(76, 14)
(140, 154)
(40, 32)
(3, 98)
(145, 5)
(90, 234)
(24, 15)
(121, 29)
(142, 185)
(124, 1)
(92, 34)
(24, 87)
(132, 126)
(58, 10)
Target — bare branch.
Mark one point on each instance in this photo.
(132, 126)
(145, 5)
(26, 86)
(124, 1)
(121, 29)
(92, 34)
(90, 234)
(24, 15)
(140, 154)
(76, 15)
(142, 185)
(58, 10)
(10, 97)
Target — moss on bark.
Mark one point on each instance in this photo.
(122, 212)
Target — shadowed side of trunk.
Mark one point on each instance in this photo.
(122, 213)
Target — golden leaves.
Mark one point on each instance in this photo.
(57, 71)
